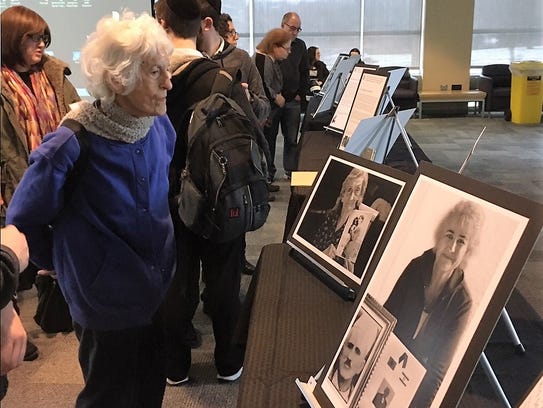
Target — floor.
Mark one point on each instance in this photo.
(508, 156)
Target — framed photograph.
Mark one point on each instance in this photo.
(343, 218)
(358, 353)
(454, 251)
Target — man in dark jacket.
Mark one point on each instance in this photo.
(192, 78)
(295, 70)
(228, 56)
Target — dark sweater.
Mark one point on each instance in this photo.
(295, 70)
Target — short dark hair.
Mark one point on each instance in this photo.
(17, 23)
(222, 26)
(182, 17)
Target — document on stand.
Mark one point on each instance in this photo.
(339, 120)
(367, 100)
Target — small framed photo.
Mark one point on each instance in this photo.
(358, 353)
(454, 252)
(343, 218)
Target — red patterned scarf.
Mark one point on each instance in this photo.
(37, 111)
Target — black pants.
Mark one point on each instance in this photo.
(221, 273)
(122, 368)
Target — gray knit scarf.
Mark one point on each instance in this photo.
(110, 121)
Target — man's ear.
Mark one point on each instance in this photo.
(207, 24)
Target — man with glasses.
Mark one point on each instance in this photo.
(295, 69)
(227, 30)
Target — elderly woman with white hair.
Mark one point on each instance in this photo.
(111, 243)
(330, 229)
(430, 300)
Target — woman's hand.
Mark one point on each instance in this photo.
(16, 241)
(45, 272)
(383, 207)
(331, 251)
(13, 337)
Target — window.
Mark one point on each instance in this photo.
(391, 28)
(506, 31)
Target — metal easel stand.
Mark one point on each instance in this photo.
(519, 348)
(487, 368)
(394, 113)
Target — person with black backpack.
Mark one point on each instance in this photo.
(219, 250)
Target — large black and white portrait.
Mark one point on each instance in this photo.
(344, 217)
(441, 269)
(448, 264)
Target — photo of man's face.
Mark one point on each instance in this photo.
(353, 354)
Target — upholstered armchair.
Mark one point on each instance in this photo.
(495, 80)
(406, 94)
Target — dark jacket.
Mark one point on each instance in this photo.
(233, 57)
(295, 71)
(14, 146)
(434, 346)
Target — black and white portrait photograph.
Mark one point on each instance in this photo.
(440, 270)
(344, 217)
(359, 350)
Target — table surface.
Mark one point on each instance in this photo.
(296, 324)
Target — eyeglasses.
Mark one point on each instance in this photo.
(233, 33)
(37, 38)
(294, 28)
(285, 48)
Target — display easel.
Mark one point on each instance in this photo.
(307, 388)
(483, 360)
(393, 122)
(325, 103)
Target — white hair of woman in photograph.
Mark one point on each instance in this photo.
(430, 299)
(114, 55)
(349, 199)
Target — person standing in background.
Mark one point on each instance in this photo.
(36, 94)
(295, 71)
(318, 72)
(227, 30)
(234, 59)
(220, 263)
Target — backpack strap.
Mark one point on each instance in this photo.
(74, 175)
(223, 83)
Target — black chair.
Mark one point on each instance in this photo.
(406, 94)
(495, 80)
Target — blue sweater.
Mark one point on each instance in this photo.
(112, 244)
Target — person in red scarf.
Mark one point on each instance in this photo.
(35, 92)
(35, 97)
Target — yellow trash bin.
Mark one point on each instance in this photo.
(526, 91)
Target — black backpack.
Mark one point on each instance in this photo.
(223, 190)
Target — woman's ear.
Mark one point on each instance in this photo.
(115, 84)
